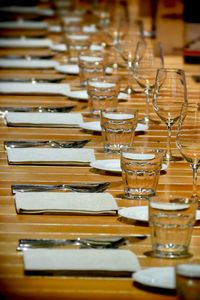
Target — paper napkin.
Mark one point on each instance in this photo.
(72, 156)
(104, 262)
(44, 118)
(72, 202)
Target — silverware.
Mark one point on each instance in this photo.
(91, 187)
(103, 242)
(52, 144)
(32, 80)
(37, 109)
(28, 57)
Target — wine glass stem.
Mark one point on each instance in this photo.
(130, 66)
(147, 94)
(168, 154)
(194, 172)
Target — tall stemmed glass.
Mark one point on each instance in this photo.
(115, 33)
(148, 59)
(169, 95)
(127, 49)
(188, 139)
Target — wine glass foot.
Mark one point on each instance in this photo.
(171, 158)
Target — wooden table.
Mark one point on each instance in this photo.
(177, 179)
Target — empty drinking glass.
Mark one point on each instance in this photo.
(118, 127)
(140, 171)
(102, 93)
(171, 220)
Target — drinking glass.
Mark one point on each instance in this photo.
(171, 220)
(169, 95)
(148, 58)
(126, 48)
(91, 64)
(140, 171)
(76, 43)
(115, 33)
(118, 127)
(188, 139)
(102, 93)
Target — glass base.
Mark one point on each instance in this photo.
(171, 158)
(159, 254)
(134, 194)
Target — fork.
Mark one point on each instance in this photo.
(91, 187)
(105, 242)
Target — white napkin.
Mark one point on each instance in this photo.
(72, 202)
(26, 43)
(28, 9)
(30, 88)
(44, 118)
(25, 63)
(105, 262)
(20, 24)
(72, 156)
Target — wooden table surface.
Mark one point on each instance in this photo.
(177, 179)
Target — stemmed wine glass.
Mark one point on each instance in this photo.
(188, 139)
(148, 59)
(169, 94)
(127, 48)
(115, 33)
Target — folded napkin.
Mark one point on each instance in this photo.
(72, 202)
(27, 43)
(38, 88)
(72, 156)
(43, 119)
(25, 63)
(21, 24)
(96, 262)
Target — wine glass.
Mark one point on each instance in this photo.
(148, 59)
(127, 48)
(169, 94)
(188, 139)
(115, 33)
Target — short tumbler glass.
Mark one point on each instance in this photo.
(118, 128)
(91, 64)
(171, 220)
(140, 171)
(102, 93)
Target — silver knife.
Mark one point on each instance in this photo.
(37, 109)
(33, 80)
(52, 144)
(103, 242)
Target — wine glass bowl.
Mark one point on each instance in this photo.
(169, 95)
(127, 47)
(148, 59)
(188, 139)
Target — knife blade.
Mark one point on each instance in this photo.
(52, 144)
(103, 242)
